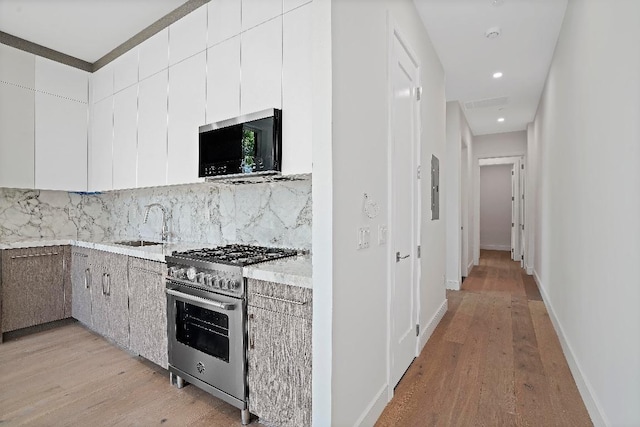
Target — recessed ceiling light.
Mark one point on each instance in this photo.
(501, 119)
(492, 32)
(497, 75)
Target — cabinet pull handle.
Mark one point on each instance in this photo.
(34, 255)
(103, 277)
(251, 335)
(280, 299)
(87, 278)
(108, 284)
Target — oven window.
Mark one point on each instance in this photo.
(202, 329)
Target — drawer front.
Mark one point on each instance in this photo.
(286, 299)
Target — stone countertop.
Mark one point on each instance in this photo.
(153, 253)
(293, 271)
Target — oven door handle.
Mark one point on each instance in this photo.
(205, 301)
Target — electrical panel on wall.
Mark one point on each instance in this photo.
(435, 188)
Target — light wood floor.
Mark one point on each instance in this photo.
(69, 376)
(494, 360)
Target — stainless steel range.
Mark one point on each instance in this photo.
(206, 313)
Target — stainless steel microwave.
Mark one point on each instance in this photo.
(246, 145)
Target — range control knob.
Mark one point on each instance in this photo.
(224, 283)
(200, 278)
(178, 273)
(172, 272)
(216, 282)
(234, 284)
(208, 280)
(191, 274)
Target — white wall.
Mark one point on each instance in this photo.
(508, 144)
(495, 207)
(360, 37)
(588, 233)
(458, 135)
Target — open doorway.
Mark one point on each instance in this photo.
(500, 206)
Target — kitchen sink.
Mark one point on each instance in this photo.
(137, 243)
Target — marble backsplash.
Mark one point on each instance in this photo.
(272, 213)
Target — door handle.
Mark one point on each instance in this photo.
(398, 257)
(251, 336)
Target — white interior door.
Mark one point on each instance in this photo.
(514, 213)
(404, 158)
(522, 211)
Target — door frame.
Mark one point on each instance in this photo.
(516, 162)
(394, 31)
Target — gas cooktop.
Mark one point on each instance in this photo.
(237, 255)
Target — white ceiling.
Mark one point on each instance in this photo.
(523, 52)
(85, 29)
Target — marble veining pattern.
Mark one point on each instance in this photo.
(271, 213)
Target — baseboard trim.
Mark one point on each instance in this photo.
(469, 267)
(432, 324)
(595, 410)
(374, 408)
(453, 285)
(496, 247)
(530, 271)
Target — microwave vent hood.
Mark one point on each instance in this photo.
(242, 146)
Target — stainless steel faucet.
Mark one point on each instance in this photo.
(165, 216)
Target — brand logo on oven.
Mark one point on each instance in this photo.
(200, 367)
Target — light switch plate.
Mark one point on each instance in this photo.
(382, 235)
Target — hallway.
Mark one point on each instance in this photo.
(494, 359)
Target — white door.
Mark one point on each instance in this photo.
(404, 158)
(514, 213)
(522, 211)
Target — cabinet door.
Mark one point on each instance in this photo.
(187, 89)
(188, 35)
(148, 310)
(81, 286)
(296, 91)
(223, 80)
(61, 80)
(262, 67)
(101, 146)
(17, 143)
(32, 287)
(152, 131)
(125, 118)
(109, 297)
(117, 297)
(61, 143)
(279, 367)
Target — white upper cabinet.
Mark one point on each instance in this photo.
(255, 12)
(101, 146)
(287, 5)
(125, 72)
(188, 36)
(17, 115)
(125, 110)
(60, 143)
(223, 80)
(187, 89)
(62, 80)
(102, 83)
(296, 91)
(224, 20)
(261, 64)
(17, 67)
(152, 130)
(154, 54)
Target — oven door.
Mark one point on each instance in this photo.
(206, 337)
